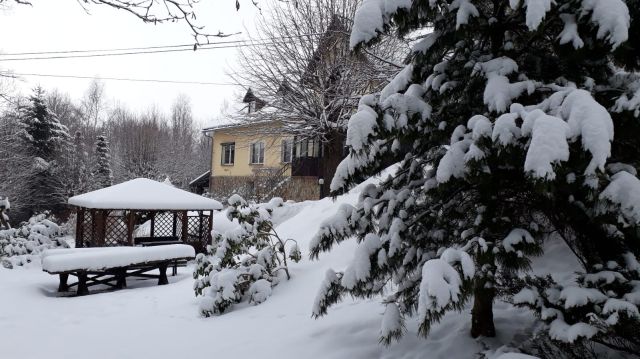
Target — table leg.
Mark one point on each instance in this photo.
(82, 283)
(63, 287)
(163, 275)
(121, 278)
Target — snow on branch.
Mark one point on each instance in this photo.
(624, 190)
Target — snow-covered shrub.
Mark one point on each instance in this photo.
(4, 217)
(22, 245)
(246, 259)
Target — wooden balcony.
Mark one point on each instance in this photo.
(306, 166)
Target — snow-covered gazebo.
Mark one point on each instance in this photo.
(143, 211)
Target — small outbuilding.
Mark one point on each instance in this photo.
(143, 212)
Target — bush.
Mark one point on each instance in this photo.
(245, 261)
(19, 246)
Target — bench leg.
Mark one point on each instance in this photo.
(82, 284)
(63, 287)
(163, 275)
(121, 278)
(175, 268)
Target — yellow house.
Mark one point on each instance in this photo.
(244, 150)
(260, 161)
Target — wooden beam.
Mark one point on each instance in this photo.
(185, 226)
(175, 224)
(100, 219)
(200, 236)
(131, 222)
(153, 224)
(91, 242)
(80, 227)
(209, 236)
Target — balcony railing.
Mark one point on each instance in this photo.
(305, 166)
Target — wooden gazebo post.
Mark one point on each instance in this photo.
(185, 226)
(101, 227)
(131, 222)
(152, 231)
(174, 224)
(80, 227)
(209, 236)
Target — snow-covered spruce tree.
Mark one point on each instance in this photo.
(102, 175)
(245, 261)
(503, 122)
(44, 138)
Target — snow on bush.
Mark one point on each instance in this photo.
(22, 245)
(246, 260)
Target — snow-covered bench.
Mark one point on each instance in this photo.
(111, 266)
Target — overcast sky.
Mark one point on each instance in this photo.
(51, 25)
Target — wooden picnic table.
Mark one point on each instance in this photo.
(111, 266)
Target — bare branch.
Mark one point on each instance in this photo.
(311, 81)
(153, 11)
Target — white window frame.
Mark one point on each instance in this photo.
(282, 150)
(251, 162)
(224, 146)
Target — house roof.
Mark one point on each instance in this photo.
(202, 177)
(235, 116)
(236, 124)
(146, 194)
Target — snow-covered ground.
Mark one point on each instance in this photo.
(149, 321)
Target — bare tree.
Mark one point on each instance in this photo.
(310, 79)
(66, 110)
(93, 105)
(183, 157)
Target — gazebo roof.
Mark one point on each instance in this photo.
(144, 194)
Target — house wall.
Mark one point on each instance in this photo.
(243, 137)
(298, 189)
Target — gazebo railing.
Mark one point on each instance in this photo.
(107, 228)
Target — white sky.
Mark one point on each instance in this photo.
(63, 25)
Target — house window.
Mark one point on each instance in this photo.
(308, 148)
(286, 151)
(228, 154)
(257, 153)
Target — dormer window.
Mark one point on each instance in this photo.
(252, 107)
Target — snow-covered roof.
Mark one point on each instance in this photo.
(201, 177)
(237, 122)
(143, 193)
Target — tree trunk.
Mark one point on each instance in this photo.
(482, 312)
